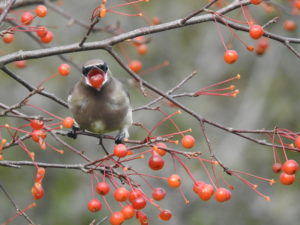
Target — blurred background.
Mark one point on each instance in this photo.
(269, 97)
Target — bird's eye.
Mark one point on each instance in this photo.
(85, 70)
(103, 67)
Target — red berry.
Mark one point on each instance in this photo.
(287, 179)
(20, 64)
(40, 175)
(120, 150)
(158, 193)
(256, 31)
(262, 46)
(135, 65)
(41, 31)
(156, 162)
(206, 192)
(165, 214)
(36, 124)
(121, 194)
(41, 11)
(128, 212)
(68, 122)
(256, 2)
(230, 56)
(47, 38)
(297, 4)
(142, 49)
(37, 135)
(222, 194)
(160, 151)
(27, 18)
(96, 81)
(139, 40)
(94, 205)
(64, 69)
(276, 167)
(297, 142)
(289, 25)
(142, 217)
(116, 218)
(8, 38)
(37, 191)
(135, 193)
(155, 20)
(290, 167)
(188, 141)
(174, 180)
(197, 186)
(102, 188)
(139, 203)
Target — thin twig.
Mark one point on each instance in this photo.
(15, 205)
(93, 24)
(197, 12)
(29, 87)
(4, 13)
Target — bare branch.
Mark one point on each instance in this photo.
(4, 13)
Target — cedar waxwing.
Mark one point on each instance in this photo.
(99, 103)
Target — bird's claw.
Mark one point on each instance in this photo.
(73, 133)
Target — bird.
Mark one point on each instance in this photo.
(99, 102)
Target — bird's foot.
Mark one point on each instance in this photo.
(100, 136)
(73, 133)
(119, 139)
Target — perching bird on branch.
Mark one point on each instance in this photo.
(99, 102)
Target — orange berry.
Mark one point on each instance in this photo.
(64, 69)
(139, 40)
(41, 31)
(158, 193)
(188, 141)
(27, 18)
(68, 122)
(47, 38)
(276, 167)
(37, 191)
(230, 56)
(128, 212)
(206, 191)
(297, 4)
(290, 167)
(41, 11)
(256, 31)
(36, 135)
(256, 2)
(142, 49)
(222, 195)
(8, 38)
(174, 180)
(20, 64)
(165, 215)
(120, 150)
(116, 218)
(156, 148)
(297, 142)
(121, 194)
(135, 66)
(287, 179)
(36, 124)
(94, 205)
(289, 25)
(155, 20)
(102, 188)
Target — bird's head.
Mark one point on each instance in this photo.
(95, 73)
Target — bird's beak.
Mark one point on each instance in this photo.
(95, 78)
